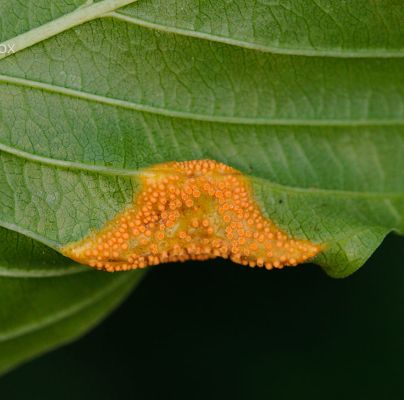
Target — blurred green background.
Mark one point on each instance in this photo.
(218, 330)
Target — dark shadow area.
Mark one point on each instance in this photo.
(220, 331)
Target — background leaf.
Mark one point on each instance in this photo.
(283, 92)
(46, 300)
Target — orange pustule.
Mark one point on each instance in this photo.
(192, 210)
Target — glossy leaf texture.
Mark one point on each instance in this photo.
(305, 97)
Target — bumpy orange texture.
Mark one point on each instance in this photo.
(193, 210)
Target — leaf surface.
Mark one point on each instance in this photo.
(321, 27)
(305, 97)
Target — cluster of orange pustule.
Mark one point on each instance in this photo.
(193, 210)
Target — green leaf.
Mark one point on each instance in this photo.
(47, 300)
(304, 97)
(317, 28)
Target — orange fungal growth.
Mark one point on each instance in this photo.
(192, 210)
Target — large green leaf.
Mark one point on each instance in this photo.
(305, 97)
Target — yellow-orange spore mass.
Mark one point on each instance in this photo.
(192, 210)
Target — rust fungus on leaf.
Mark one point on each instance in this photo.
(192, 210)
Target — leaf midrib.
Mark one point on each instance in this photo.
(33, 235)
(112, 8)
(293, 51)
(61, 272)
(82, 14)
(71, 165)
(51, 88)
